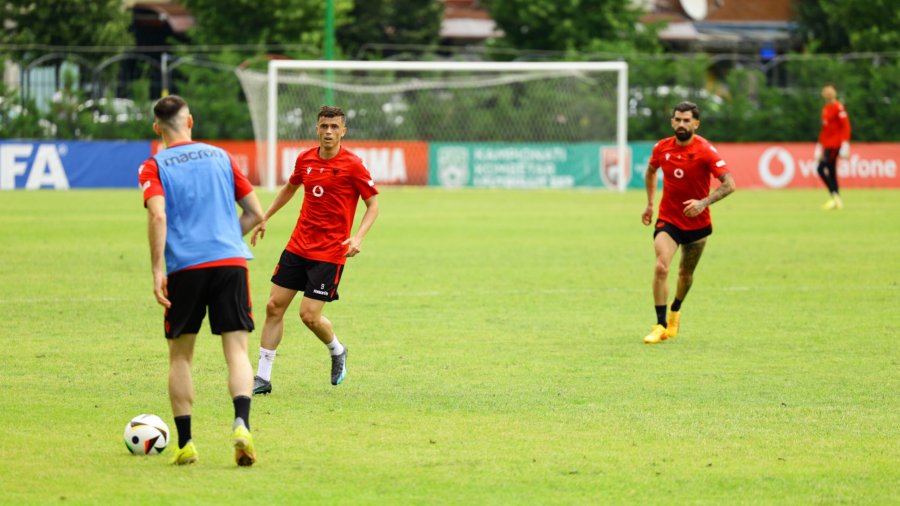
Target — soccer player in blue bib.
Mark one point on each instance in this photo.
(199, 262)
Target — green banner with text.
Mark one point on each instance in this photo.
(544, 165)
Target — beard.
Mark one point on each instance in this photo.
(683, 135)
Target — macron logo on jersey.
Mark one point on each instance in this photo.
(371, 182)
(145, 186)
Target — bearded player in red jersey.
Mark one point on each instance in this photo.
(834, 141)
(687, 161)
(334, 179)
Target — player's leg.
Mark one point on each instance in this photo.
(240, 385)
(690, 257)
(182, 322)
(311, 314)
(288, 278)
(665, 247)
(828, 173)
(181, 394)
(833, 177)
(280, 299)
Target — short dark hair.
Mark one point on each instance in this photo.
(685, 107)
(167, 108)
(330, 111)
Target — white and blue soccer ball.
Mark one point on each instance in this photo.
(146, 435)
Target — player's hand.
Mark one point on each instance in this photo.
(647, 215)
(693, 207)
(845, 150)
(259, 230)
(352, 245)
(161, 289)
(817, 153)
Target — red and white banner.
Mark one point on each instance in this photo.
(390, 162)
(792, 165)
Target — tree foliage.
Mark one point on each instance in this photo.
(67, 23)
(844, 26)
(391, 22)
(574, 26)
(268, 22)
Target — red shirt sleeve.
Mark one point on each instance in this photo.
(844, 121)
(148, 178)
(716, 164)
(296, 178)
(242, 185)
(654, 156)
(363, 182)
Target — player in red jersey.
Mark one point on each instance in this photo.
(334, 179)
(834, 141)
(687, 161)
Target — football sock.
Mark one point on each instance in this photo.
(661, 315)
(242, 410)
(183, 424)
(266, 358)
(676, 304)
(335, 347)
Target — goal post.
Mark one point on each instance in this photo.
(529, 104)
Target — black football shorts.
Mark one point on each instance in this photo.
(316, 279)
(224, 290)
(681, 236)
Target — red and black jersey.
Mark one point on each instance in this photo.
(332, 189)
(835, 126)
(686, 176)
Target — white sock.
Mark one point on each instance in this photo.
(335, 347)
(266, 358)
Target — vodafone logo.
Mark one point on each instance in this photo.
(775, 178)
(678, 173)
(318, 191)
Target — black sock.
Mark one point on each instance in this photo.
(183, 424)
(661, 315)
(676, 304)
(242, 409)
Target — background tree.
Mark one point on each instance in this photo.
(391, 22)
(575, 26)
(845, 26)
(67, 23)
(268, 22)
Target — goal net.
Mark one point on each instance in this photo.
(488, 124)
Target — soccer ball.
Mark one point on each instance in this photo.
(146, 435)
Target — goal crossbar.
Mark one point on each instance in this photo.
(621, 69)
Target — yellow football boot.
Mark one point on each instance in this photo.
(829, 205)
(657, 334)
(244, 453)
(672, 323)
(186, 455)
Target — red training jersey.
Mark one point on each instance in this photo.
(686, 176)
(332, 189)
(835, 126)
(148, 177)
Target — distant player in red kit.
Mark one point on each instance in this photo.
(687, 161)
(834, 141)
(334, 179)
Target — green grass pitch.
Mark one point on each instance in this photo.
(495, 358)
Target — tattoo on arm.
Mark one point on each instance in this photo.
(725, 189)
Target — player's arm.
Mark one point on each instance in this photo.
(283, 197)
(695, 207)
(354, 242)
(252, 214)
(650, 183)
(844, 122)
(156, 231)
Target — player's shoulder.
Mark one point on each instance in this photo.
(664, 143)
(351, 159)
(308, 153)
(704, 145)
